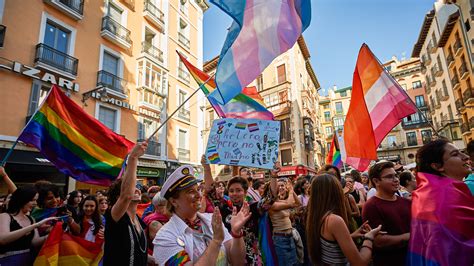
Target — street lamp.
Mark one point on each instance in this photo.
(101, 91)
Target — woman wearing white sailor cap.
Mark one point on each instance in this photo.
(192, 238)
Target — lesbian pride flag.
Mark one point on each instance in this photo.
(442, 223)
(75, 142)
(261, 31)
(378, 104)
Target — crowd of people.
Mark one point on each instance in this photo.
(326, 219)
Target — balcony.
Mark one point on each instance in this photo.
(423, 69)
(154, 148)
(431, 110)
(428, 85)
(113, 83)
(471, 123)
(116, 33)
(183, 155)
(455, 82)
(280, 108)
(437, 70)
(72, 8)
(184, 40)
(432, 80)
(450, 60)
(437, 104)
(432, 47)
(184, 114)
(154, 14)
(465, 128)
(457, 47)
(468, 96)
(48, 57)
(392, 146)
(183, 75)
(460, 104)
(154, 52)
(463, 72)
(426, 59)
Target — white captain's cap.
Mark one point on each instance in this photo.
(180, 179)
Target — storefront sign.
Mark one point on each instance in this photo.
(286, 173)
(154, 164)
(246, 142)
(149, 113)
(148, 172)
(41, 75)
(113, 101)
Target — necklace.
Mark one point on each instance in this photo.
(135, 236)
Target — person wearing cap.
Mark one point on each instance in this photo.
(193, 238)
(125, 239)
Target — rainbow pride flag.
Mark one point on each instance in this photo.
(75, 142)
(248, 104)
(442, 223)
(62, 248)
(260, 31)
(334, 154)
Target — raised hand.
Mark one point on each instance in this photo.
(372, 233)
(217, 226)
(204, 162)
(139, 149)
(240, 218)
(276, 169)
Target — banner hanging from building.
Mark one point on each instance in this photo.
(245, 142)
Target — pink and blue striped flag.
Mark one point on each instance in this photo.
(442, 223)
(261, 31)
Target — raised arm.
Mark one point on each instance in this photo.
(10, 185)
(208, 180)
(273, 180)
(129, 181)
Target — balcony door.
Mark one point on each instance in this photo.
(110, 64)
(58, 39)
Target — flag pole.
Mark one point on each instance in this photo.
(406, 94)
(179, 107)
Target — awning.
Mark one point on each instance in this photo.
(25, 157)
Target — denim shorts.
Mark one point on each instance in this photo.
(285, 249)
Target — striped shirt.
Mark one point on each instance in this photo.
(331, 253)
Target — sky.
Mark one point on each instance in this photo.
(338, 29)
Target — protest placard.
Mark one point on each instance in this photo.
(245, 142)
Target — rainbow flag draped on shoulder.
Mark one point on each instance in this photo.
(334, 154)
(76, 143)
(442, 224)
(246, 105)
(62, 248)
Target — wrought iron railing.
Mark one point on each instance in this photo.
(116, 29)
(76, 5)
(109, 80)
(152, 50)
(57, 59)
(154, 11)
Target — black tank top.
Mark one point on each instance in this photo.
(356, 195)
(23, 242)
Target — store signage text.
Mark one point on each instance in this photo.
(114, 101)
(149, 113)
(46, 77)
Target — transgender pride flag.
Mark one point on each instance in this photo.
(261, 31)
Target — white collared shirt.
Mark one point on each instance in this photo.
(176, 236)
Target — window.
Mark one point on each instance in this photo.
(38, 94)
(181, 97)
(450, 113)
(260, 82)
(110, 63)
(426, 136)
(420, 101)
(338, 123)
(56, 37)
(327, 116)
(281, 71)
(285, 130)
(108, 117)
(339, 108)
(392, 141)
(183, 6)
(286, 157)
(326, 106)
(328, 131)
(416, 84)
(411, 139)
(182, 139)
(343, 93)
(183, 33)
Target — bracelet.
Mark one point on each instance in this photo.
(365, 246)
(235, 235)
(367, 238)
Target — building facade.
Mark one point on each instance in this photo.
(439, 85)
(289, 88)
(333, 110)
(402, 142)
(117, 60)
(457, 48)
